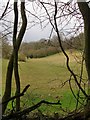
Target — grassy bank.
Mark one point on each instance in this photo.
(46, 77)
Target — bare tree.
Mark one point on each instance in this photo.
(58, 12)
(13, 63)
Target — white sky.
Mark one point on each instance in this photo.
(35, 33)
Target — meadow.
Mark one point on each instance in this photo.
(46, 77)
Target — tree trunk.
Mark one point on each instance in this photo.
(17, 79)
(7, 93)
(85, 10)
(16, 72)
(14, 60)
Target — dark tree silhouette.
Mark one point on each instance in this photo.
(85, 10)
(59, 11)
(13, 63)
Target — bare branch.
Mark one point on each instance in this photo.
(67, 58)
(27, 110)
(19, 95)
(3, 14)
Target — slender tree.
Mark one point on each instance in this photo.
(13, 63)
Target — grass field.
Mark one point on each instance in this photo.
(46, 76)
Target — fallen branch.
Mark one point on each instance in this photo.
(27, 110)
(75, 116)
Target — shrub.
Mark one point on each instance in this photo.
(22, 57)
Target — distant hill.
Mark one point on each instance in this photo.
(46, 47)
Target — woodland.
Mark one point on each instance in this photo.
(76, 38)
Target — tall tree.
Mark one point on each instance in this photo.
(13, 63)
(85, 10)
(60, 12)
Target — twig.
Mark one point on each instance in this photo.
(3, 14)
(19, 95)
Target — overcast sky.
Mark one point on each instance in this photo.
(35, 33)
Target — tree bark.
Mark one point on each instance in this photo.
(16, 72)
(7, 93)
(85, 11)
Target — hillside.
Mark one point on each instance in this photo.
(47, 77)
(47, 47)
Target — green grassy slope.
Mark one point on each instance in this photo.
(46, 76)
